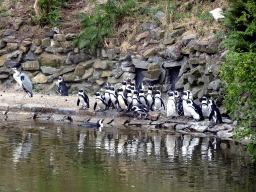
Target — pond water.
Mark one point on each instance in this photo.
(40, 156)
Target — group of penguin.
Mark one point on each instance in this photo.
(185, 106)
(130, 98)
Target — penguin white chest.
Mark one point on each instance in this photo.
(121, 102)
(100, 104)
(170, 109)
(193, 113)
(82, 101)
(185, 108)
(205, 110)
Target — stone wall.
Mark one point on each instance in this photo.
(154, 55)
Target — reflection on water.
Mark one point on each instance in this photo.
(37, 156)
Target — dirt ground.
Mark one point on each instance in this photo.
(12, 96)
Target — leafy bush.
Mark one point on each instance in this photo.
(239, 71)
(240, 18)
(100, 25)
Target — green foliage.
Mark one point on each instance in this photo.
(203, 15)
(238, 73)
(50, 12)
(240, 18)
(100, 25)
(37, 88)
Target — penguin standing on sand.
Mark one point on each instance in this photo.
(194, 110)
(204, 107)
(170, 107)
(215, 113)
(150, 97)
(142, 98)
(62, 88)
(157, 102)
(121, 99)
(83, 99)
(99, 101)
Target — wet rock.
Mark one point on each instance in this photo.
(181, 127)
(228, 121)
(153, 115)
(33, 107)
(66, 111)
(224, 134)
(30, 66)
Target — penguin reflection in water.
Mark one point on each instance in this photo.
(83, 99)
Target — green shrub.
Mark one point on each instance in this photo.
(102, 24)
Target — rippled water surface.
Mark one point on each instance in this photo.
(39, 156)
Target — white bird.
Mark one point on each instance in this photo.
(170, 107)
(217, 14)
(24, 82)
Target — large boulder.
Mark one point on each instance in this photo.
(81, 67)
(31, 66)
(51, 60)
(39, 78)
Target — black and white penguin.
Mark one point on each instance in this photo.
(142, 98)
(140, 109)
(107, 97)
(129, 96)
(99, 124)
(194, 110)
(62, 88)
(170, 107)
(215, 112)
(83, 99)
(178, 103)
(122, 102)
(113, 97)
(135, 100)
(99, 101)
(204, 107)
(190, 95)
(157, 102)
(185, 104)
(150, 97)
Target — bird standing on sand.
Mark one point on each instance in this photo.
(62, 88)
(83, 98)
(24, 81)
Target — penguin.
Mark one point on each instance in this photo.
(99, 124)
(142, 98)
(113, 97)
(83, 98)
(141, 109)
(150, 97)
(124, 85)
(190, 95)
(122, 102)
(178, 103)
(170, 107)
(99, 101)
(194, 110)
(215, 113)
(129, 96)
(135, 100)
(185, 104)
(62, 88)
(107, 97)
(204, 107)
(157, 102)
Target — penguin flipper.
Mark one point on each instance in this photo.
(211, 114)
(95, 105)
(78, 101)
(162, 103)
